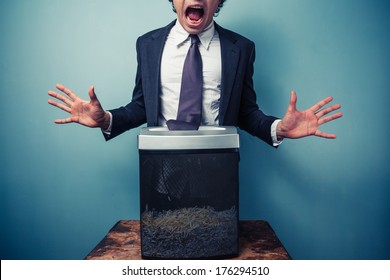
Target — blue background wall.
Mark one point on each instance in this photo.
(63, 187)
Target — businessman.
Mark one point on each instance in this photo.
(227, 95)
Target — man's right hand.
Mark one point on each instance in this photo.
(90, 114)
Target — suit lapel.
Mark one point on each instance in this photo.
(151, 55)
(230, 53)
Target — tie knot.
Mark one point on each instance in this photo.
(194, 39)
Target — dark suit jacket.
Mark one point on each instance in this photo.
(238, 105)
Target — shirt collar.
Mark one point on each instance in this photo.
(205, 37)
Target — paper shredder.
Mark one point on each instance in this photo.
(189, 193)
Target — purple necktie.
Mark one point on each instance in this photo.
(190, 103)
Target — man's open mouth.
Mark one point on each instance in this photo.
(194, 14)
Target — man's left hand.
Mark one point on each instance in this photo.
(298, 124)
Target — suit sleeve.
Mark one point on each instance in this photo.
(251, 118)
(133, 114)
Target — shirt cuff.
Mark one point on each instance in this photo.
(275, 141)
(108, 130)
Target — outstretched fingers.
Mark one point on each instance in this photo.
(328, 110)
(325, 135)
(65, 104)
(59, 105)
(60, 97)
(323, 118)
(67, 91)
(63, 121)
(321, 104)
(320, 114)
(329, 118)
(67, 100)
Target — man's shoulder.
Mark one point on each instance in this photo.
(156, 33)
(232, 35)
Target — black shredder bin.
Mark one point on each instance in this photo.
(189, 193)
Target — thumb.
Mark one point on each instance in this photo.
(92, 95)
(293, 101)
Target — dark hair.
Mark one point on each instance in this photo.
(216, 12)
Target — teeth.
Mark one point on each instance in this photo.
(195, 7)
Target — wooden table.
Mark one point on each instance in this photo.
(257, 240)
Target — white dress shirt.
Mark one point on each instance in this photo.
(174, 54)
